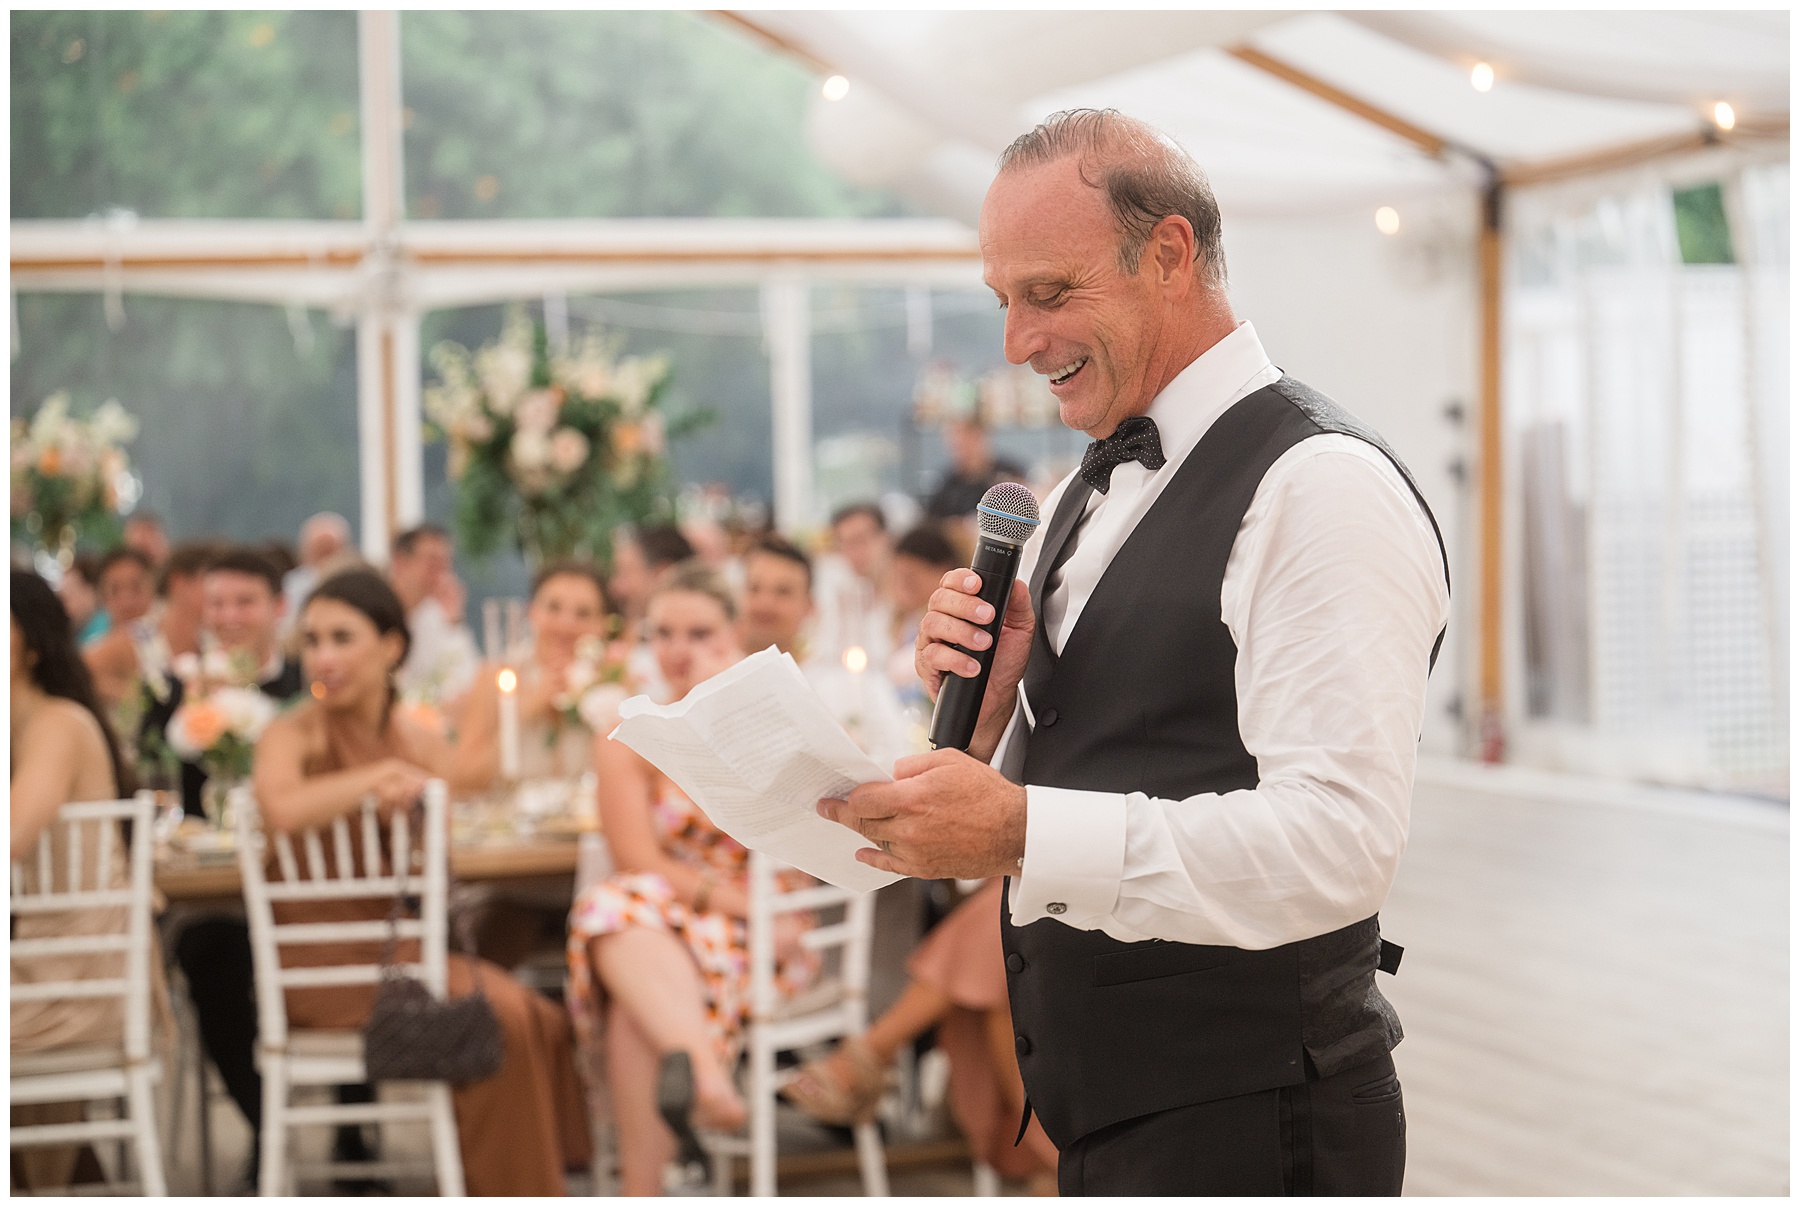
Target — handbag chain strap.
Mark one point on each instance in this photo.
(465, 931)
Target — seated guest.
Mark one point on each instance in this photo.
(62, 751)
(958, 985)
(128, 594)
(642, 559)
(973, 469)
(443, 659)
(852, 592)
(136, 658)
(79, 591)
(324, 540)
(660, 949)
(144, 532)
(777, 604)
(520, 1129)
(242, 615)
(921, 559)
(568, 607)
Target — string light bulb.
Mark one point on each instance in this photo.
(508, 680)
(1387, 220)
(836, 88)
(1481, 78)
(856, 660)
(1724, 116)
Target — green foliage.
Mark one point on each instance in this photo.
(1700, 226)
(185, 114)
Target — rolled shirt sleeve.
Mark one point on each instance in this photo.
(1334, 595)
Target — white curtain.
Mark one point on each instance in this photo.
(1646, 404)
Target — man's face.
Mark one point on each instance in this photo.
(127, 591)
(968, 446)
(148, 538)
(776, 601)
(863, 543)
(419, 574)
(1049, 251)
(241, 611)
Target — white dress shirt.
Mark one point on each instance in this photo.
(1334, 594)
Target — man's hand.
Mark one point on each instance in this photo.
(955, 616)
(945, 815)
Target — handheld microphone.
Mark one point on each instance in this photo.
(1008, 516)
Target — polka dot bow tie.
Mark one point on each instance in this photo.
(1136, 439)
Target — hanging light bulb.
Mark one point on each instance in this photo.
(1724, 116)
(836, 88)
(1387, 220)
(1481, 78)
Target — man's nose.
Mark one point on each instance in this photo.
(1023, 337)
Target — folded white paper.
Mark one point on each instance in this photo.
(756, 749)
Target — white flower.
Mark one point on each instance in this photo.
(505, 372)
(247, 709)
(530, 450)
(111, 424)
(186, 667)
(537, 411)
(568, 450)
(599, 707)
(46, 426)
(655, 438)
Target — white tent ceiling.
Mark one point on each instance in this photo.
(935, 95)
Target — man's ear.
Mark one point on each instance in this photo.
(1172, 246)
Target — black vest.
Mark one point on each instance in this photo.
(1144, 699)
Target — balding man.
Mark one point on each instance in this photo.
(1203, 714)
(324, 542)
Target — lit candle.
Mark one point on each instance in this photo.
(856, 661)
(509, 724)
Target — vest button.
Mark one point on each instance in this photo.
(1022, 1045)
(1015, 962)
(1057, 907)
(1048, 719)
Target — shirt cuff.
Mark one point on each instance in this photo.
(1074, 857)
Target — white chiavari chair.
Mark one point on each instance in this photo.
(56, 881)
(292, 1059)
(835, 1008)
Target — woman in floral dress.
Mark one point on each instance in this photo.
(658, 952)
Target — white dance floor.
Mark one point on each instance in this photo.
(1595, 988)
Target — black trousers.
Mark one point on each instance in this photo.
(1338, 1135)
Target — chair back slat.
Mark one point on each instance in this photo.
(47, 903)
(69, 945)
(104, 857)
(284, 855)
(56, 991)
(46, 881)
(317, 976)
(18, 880)
(371, 833)
(315, 855)
(74, 832)
(340, 848)
(402, 855)
(347, 932)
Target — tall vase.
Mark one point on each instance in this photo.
(215, 802)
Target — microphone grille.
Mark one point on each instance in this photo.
(1008, 512)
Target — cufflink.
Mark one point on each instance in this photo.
(1056, 907)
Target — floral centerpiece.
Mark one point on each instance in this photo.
(594, 685)
(221, 716)
(552, 451)
(71, 477)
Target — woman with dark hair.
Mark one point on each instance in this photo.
(520, 1129)
(568, 607)
(62, 751)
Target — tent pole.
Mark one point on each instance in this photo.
(1490, 708)
(787, 335)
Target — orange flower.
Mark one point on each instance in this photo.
(628, 438)
(50, 462)
(205, 723)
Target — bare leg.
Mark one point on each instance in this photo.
(645, 1145)
(652, 976)
(918, 1009)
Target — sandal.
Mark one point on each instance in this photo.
(818, 1092)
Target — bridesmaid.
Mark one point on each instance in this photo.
(520, 1129)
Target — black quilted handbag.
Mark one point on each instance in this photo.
(411, 1035)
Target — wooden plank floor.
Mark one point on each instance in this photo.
(1595, 989)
